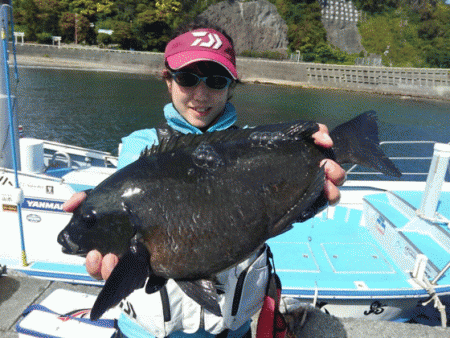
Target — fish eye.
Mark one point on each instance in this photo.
(90, 218)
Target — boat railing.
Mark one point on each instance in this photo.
(413, 158)
(66, 150)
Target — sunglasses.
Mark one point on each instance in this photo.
(185, 79)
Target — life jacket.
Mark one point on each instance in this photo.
(271, 323)
(242, 292)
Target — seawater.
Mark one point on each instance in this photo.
(96, 109)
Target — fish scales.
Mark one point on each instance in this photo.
(198, 204)
(257, 212)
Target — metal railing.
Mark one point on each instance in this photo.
(421, 162)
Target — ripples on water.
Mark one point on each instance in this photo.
(95, 109)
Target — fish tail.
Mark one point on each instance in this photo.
(356, 142)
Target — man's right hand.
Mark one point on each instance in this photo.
(97, 266)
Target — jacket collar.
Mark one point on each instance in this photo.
(177, 122)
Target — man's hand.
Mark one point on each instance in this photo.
(335, 175)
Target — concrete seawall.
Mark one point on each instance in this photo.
(423, 82)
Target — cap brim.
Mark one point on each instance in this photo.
(183, 59)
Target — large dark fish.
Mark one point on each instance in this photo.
(198, 204)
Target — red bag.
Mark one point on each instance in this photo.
(271, 323)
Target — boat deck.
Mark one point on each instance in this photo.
(337, 250)
(328, 257)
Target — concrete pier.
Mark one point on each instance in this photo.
(17, 292)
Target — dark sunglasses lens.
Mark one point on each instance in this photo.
(217, 82)
(186, 79)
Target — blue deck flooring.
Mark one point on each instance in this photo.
(334, 253)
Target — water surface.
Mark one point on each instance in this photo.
(96, 109)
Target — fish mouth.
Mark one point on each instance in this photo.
(68, 246)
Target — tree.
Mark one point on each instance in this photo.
(155, 24)
(153, 31)
(123, 35)
(377, 6)
(48, 15)
(91, 8)
(29, 18)
(126, 10)
(304, 22)
(67, 24)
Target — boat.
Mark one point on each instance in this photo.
(383, 251)
(36, 178)
(378, 254)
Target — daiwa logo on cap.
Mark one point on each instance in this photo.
(213, 42)
(201, 45)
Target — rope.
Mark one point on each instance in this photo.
(425, 283)
(437, 219)
(316, 296)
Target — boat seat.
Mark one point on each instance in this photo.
(406, 234)
(382, 203)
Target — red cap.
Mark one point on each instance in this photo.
(201, 45)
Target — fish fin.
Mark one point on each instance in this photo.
(307, 206)
(130, 274)
(203, 292)
(167, 144)
(301, 129)
(170, 143)
(154, 284)
(272, 133)
(356, 142)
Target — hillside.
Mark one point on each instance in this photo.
(413, 35)
(404, 32)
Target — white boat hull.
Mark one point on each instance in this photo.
(42, 215)
(369, 309)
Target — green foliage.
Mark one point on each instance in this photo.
(67, 24)
(139, 24)
(410, 36)
(393, 36)
(44, 38)
(439, 55)
(27, 14)
(416, 31)
(123, 35)
(90, 8)
(304, 22)
(376, 6)
(104, 40)
(324, 53)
